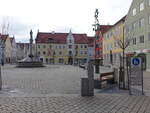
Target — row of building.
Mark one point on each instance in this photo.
(10, 51)
(132, 32)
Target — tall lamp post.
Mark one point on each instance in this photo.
(96, 28)
(2, 46)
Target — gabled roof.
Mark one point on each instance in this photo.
(91, 41)
(121, 20)
(80, 38)
(105, 28)
(43, 37)
(60, 38)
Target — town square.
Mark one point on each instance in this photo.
(75, 56)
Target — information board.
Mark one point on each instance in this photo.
(136, 76)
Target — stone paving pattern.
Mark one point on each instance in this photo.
(56, 89)
(101, 103)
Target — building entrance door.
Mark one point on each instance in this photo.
(70, 60)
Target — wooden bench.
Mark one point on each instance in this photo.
(104, 77)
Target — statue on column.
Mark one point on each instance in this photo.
(31, 44)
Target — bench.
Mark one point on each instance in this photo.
(82, 66)
(107, 77)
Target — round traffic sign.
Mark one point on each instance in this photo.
(135, 61)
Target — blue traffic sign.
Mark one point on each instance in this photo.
(136, 61)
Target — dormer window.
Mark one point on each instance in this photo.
(50, 40)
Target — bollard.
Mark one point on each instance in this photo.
(90, 72)
(84, 87)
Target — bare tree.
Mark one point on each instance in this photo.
(123, 43)
(5, 25)
(4, 29)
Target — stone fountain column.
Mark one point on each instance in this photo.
(30, 45)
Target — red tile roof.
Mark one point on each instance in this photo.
(3, 37)
(60, 38)
(105, 28)
(91, 41)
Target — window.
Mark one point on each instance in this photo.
(38, 46)
(134, 41)
(85, 52)
(56, 46)
(81, 46)
(70, 41)
(70, 46)
(85, 46)
(70, 53)
(81, 52)
(50, 46)
(44, 52)
(141, 22)
(59, 47)
(60, 53)
(61, 60)
(64, 46)
(39, 53)
(142, 6)
(149, 36)
(76, 53)
(134, 12)
(142, 39)
(76, 46)
(44, 46)
(134, 25)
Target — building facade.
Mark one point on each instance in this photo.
(14, 50)
(62, 48)
(138, 30)
(99, 42)
(6, 53)
(111, 47)
(22, 50)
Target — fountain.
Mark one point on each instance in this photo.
(30, 60)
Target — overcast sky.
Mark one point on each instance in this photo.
(59, 15)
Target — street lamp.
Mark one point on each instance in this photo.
(96, 29)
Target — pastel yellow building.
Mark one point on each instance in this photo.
(62, 48)
(112, 43)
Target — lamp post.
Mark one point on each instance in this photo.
(2, 46)
(96, 28)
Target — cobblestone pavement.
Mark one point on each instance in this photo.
(56, 89)
(101, 103)
(55, 79)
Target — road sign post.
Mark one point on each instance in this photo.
(136, 77)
